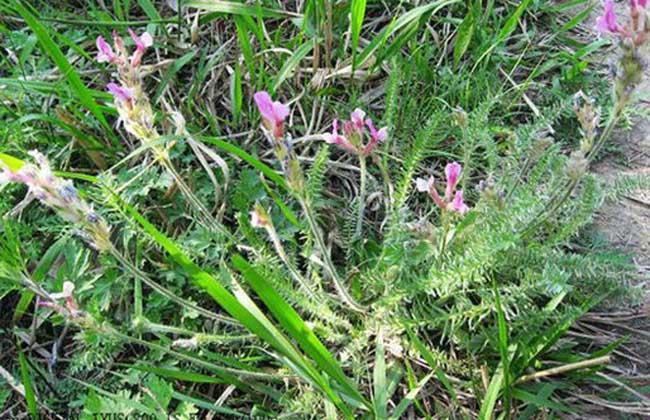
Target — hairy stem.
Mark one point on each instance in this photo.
(205, 216)
(362, 196)
(166, 292)
(327, 261)
(297, 276)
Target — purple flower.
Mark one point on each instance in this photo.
(273, 113)
(607, 22)
(452, 172)
(142, 42)
(638, 3)
(458, 204)
(105, 51)
(120, 93)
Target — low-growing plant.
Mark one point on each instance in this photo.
(326, 282)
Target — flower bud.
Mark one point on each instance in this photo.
(461, 117)
(259, 217)
(576, 166)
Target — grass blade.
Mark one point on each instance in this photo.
(409, 398)
(464, 37)
(398, 24)
(247, 312)
(235, 8)
(292, 322)
(357, 14)
(30, 396)
(291, 64)
(380, 399)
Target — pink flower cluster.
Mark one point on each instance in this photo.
(273, 114)
(452, 172)
(127, 65)
(354, 132)
(636, 31)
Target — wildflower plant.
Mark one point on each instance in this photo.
(288, 312)
(136, 114)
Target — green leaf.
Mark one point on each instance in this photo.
(379, 379)
(490, 399)
(409, 398)
(241, 307)
(30, 396)
(248, 158)
(464, 36)
(236, 8)
(398, 24)
(66, 69)
(291, 64)
(149, 9)
(208, 405)
(540, 400)
(357, 14)
(296, 327)
(505, 31)
(245, 44)
(181, 375)
(173, 69)
(236, 98)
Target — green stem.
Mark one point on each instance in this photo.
(611, 123)
(547, 213)
(362, 196)
(205, 216)
(297, 276)
(154, 327)
(199, 362)
(165, 292)
(327, 261)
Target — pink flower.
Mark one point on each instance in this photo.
(335, 138)
(607, 22)
(376, 137)
(273, 113)
(105, 51)
(357, 117)
(121, 93)
(142, 42)
(429, 186)
(638, 3)
(452, 171)
(458, 204)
